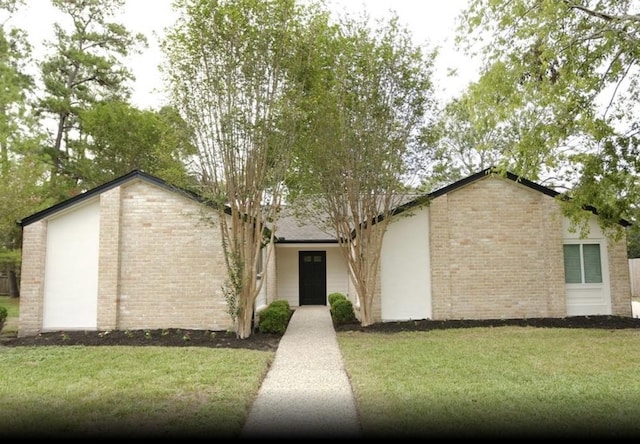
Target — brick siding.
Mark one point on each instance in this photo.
(34, 248)
(496, 252)
(161, 263)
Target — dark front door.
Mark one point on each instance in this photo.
(313, 277)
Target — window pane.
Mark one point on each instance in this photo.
(592, 265)
(572, 273)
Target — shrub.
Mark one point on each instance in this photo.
(283, 303)
(275, 318)
(333, 297)
(3, 314)
(342, 311)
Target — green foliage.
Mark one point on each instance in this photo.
(123, 138)
(341, 308)
(633, 241)
(275, 317)
(20, 166)
(11, 304)
(10, 258)
(230, 70)
(3, 314)
(87, 68)
(557, 98)
(333, 297)
(342, 311)
(361, 144)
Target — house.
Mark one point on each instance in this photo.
(138, 253)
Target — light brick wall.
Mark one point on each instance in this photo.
(496, 252)
(34, 248)
(171, 263)
(620, 279)
(109, 259)
(161, 264)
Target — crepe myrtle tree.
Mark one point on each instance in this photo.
(368, 94)
(567, 73)
(229, 70)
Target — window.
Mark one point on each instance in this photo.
(582, 264)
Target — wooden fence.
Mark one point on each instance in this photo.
(4, 284)
(634, 273)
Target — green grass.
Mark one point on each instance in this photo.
(11, 304)
(128, 391)
(13, 311)
(496, 381)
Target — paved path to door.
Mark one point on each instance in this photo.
(306, 392)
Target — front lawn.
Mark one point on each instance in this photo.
(502, 381)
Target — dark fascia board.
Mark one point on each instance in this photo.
(134, 174)
(281, 240)
(490, 171)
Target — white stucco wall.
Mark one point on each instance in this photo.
(71, 269)
(287, 272)
(589, 299)
(405, 268)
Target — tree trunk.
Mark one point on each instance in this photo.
(14, 291)
(244, 326)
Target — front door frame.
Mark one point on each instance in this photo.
(312, 280)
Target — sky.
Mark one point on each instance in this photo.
(430, 22)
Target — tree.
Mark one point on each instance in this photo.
(228, 65)
(486, 127)
(368, 93)
(569, 74)
(86, 68)
(20, 174)
(122, 138)
(21, 194)
(633, 242)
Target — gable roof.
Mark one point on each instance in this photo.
(290, 228)
(132, 175)
(490, 171)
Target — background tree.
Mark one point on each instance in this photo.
(122, 138)
(19, 137)
(486, 127)
(85, 68)
(569, 74)
(368, 91)
(227, 70)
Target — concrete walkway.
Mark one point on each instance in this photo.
(306, 392)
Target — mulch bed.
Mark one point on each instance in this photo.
(269, 342)
(170, 337)
(602, 322)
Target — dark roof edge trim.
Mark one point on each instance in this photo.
(490, 171)
(307, 241)
(134, 174)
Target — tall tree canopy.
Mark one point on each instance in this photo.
(368, 94)
(561, 81)
(85, 68)
(20, 173)
(73, 128)
(229, 66)
(123, 138)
